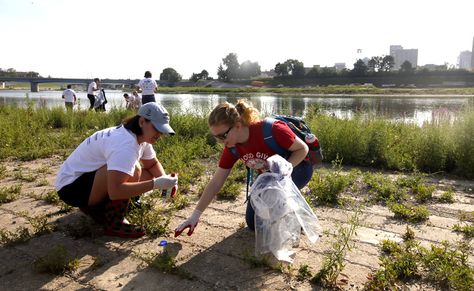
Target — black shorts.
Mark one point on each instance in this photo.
(148, 98)
(77, 193)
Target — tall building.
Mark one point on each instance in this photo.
(400, 55)
(465, 60)
(339, 66)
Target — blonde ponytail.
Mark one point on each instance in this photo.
(226, 113)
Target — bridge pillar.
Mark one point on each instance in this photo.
(34, 87)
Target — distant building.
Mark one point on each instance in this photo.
(429, 67)
(267, 74)
(340, 66)
(400, 55)
(394, 48)
(465, 60)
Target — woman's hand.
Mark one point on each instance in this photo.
(165, 182)
(190, 223)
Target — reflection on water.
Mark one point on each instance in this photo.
(405, 109)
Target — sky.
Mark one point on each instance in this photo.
(123, 39)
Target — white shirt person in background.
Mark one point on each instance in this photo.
(69, 97)
(93, 86)
(136, 99)
(147, 87)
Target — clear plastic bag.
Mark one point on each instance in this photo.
(280, 214)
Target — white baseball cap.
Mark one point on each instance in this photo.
(158, 116)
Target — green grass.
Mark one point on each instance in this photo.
(444, 266)
(9, 194)
(409, 212)
(163, 262)
(29, 133)
(57, 261)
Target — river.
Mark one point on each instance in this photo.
(405, 109)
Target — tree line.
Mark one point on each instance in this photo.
(13, 73)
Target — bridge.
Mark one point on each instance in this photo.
(34, 82)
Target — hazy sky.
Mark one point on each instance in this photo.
(123, 39)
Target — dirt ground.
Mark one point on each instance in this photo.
(216, 255)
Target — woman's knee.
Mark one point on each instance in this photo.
(250, 217)
(302, 174)
(137, 173)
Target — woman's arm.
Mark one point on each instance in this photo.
(298, 150)
(154, 167)
(120, 187)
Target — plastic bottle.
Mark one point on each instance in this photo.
(311, 141)
(170, 192)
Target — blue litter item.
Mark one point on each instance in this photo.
(163, 243)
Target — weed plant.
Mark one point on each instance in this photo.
(39, 223)
(447, 196)
(52, 197)
(154, 219)
(163, 262)
(57, 261)
(466, 215)
(382, 189)
(3, 171)
(304, 273)
(325, 189)
(10, 238)
(333, 261)
(255, 261)
(445, 266)
(423, 192)
(19, 175)
(409, 212)
(466, 229)
(9, 194)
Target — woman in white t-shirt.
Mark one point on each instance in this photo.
(148, 88)
(112, 166)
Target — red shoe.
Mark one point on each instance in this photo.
(125, 231)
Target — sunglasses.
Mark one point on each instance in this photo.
(223, 136)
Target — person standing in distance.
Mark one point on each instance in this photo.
(112, 166)
(69, 97)
(93, 86)
(147, 87)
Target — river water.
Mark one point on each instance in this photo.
(405, 109)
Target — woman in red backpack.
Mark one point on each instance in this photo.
(240, 129)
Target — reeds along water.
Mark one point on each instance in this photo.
(439, 146)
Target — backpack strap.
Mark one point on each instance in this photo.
(235, 153)
(269, 140)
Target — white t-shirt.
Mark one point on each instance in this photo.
(148, 86)
(115, 147)
(91, 88)
(69, 95)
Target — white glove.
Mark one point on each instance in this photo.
(278, 165)
(191, 222)
(165, 182)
